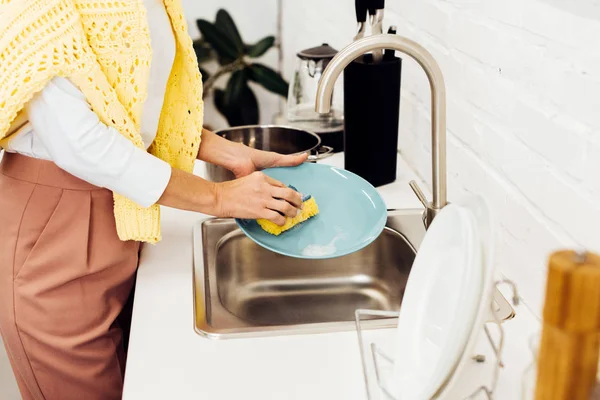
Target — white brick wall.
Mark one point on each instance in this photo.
(523, 118)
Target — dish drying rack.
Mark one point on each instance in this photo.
(379, 356)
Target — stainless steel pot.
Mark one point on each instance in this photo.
(280, 139)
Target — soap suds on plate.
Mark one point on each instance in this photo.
(318, 250)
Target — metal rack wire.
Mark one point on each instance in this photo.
(379, 356)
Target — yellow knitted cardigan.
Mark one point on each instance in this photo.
(103, 47)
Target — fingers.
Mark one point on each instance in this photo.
(283, 207)
(291, 160)
(279, 200)
(289, 195)
(274, 182)
(281, 191)
(274, 216)
(285, 201)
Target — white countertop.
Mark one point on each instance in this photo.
(168, 360)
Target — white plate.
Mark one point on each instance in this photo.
(487, 229)
(439, 306)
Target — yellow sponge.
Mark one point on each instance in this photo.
(309, 209)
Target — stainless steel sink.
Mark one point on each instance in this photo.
(241, 289)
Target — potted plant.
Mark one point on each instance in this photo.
(222, 42)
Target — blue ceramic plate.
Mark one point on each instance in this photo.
(351, 214)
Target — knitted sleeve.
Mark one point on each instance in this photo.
(39, 39)
(42, 39)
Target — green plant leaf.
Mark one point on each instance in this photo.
(269, 79)
(245, 113)
(224, 60)
(203, 51)
(250, 114)
(226, 25)
(219, 100)
(261, 47)
(219, 41)
(235, 87)
(204, 73)
(219, 95)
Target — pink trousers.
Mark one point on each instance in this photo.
(64, 280)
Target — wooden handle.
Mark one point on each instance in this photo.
(568, 356)
(573, 292)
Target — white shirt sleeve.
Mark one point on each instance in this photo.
(79, 143)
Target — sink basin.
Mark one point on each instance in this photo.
(269, 289)
(242, 289)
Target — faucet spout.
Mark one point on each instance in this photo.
(438, 101)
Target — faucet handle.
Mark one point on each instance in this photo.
(428, 213)
(419, 193)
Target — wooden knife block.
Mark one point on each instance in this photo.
(570, 343)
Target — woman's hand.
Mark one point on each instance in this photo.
(239, 159)
(257, 160)
(254, 196)
(257, 196)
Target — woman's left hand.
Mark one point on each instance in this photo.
(242, 160)
(257, 160)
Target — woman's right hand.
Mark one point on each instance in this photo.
(257, 196)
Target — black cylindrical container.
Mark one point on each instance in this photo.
(371, 114)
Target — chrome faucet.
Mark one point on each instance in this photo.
(438, 105)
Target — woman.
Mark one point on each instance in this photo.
(86, 87)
